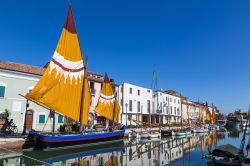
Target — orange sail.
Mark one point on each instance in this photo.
(208, 114)
(107, 105)
(201, 116)
(213, 116)
(60, 88)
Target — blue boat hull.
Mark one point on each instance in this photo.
(37, 140)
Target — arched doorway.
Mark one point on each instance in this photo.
(29, 120)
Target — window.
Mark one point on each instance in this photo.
(174, 100)
(148, 104)
(2, 89)
(60, 119)
(171, 109)
(138, 106)
(139, 92)
(178, 111)
(170, 99)
(130, 90)
(178, 101)
(121, 102)
(41, 118)
(175, 110)
(130, 105)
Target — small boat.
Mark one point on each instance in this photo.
(64, 89)
(181, 133)
(143, 135)
(154, 134)
(225, 155)
(200, 130)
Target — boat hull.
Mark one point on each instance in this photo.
(36, 140)
(181, 133)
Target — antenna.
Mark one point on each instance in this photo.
(154, 86)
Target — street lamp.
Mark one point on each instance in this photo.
(126, 105)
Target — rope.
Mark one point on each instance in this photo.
(27, 156)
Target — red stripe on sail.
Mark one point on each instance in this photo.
(65, 68)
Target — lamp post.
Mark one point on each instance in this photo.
(126, 105)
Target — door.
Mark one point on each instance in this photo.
(29, 120)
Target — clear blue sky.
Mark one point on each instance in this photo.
(200, 48)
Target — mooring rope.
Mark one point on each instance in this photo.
(27, 156)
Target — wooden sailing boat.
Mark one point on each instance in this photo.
(64, 89)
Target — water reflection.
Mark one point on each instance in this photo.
(170, 150)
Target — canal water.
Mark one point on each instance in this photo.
(173, 151)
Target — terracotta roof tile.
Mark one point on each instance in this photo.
(21, 68)
(36, 70)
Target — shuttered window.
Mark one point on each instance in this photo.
(60, 119)
(41, 118)
(2, 91)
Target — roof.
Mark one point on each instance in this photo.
(29, 69)
(21, 68)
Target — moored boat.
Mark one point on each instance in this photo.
(64, 89)
(200, 130)
(181, 132)
(225, 155)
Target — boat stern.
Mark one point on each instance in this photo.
(31, 141)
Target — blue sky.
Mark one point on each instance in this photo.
(200, 48)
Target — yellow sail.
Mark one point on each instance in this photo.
(213, 116)
(201, 118)
(85, 103)
(107, 105)
(208, 114)
(60, 87)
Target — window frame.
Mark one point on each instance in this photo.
(58, 119)
(5, 89)
(39, 114)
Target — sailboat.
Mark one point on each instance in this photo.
(202, 128)
(64, 89)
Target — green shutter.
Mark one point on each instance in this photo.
(41, 118)
(60, 119)
(2, 91)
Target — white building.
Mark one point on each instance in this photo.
(135, 102)
(167, 107)
(140, 103)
